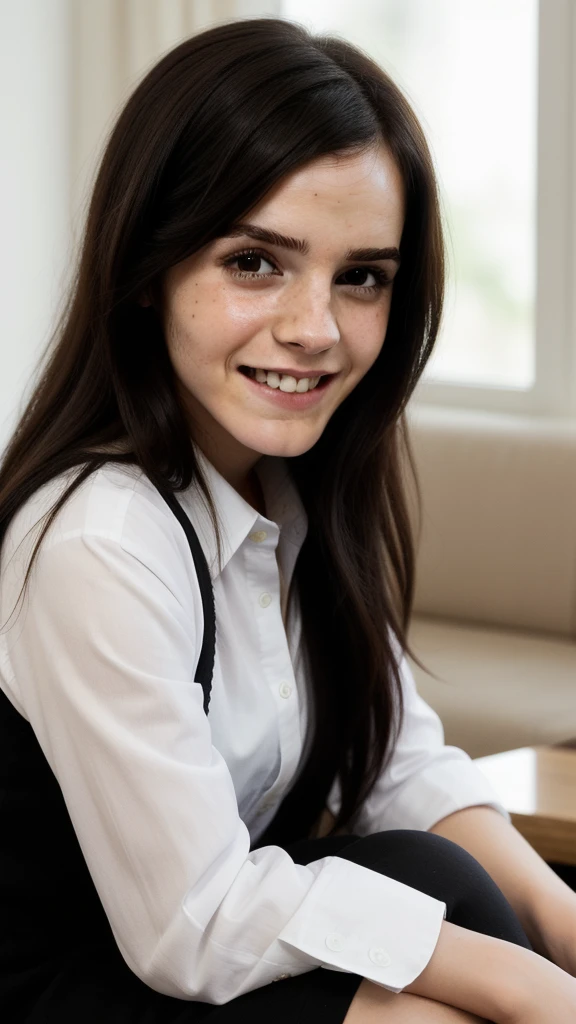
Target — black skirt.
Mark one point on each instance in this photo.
(100, 992)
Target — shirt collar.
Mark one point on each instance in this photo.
(236, 516)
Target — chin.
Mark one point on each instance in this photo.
(288, 449)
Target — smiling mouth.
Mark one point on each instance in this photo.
(278, 379)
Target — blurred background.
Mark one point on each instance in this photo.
(494, 419)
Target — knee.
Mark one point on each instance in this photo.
(444, 870)
(419, 858)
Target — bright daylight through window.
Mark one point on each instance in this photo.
(470, 72)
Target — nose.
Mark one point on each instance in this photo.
(306, 317)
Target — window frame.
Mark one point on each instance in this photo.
(554, 390)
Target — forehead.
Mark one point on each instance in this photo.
(356, 187)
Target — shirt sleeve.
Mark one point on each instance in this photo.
(104, 657)
(425, 779)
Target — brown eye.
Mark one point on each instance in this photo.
(249, 263)
(358, 275)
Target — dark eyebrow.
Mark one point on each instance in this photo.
(303, 246)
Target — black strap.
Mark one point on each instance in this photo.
(205, 666)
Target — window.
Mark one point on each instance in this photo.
(483, 78)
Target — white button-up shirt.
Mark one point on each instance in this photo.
(166, 801)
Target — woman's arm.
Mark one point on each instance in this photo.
(497, 980)
(544, 904)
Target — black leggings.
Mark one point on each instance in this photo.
(433, 865)
(84, 991)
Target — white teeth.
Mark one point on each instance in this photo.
(284, 381)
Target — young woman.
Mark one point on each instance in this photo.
(218, 431)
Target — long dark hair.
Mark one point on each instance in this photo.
(206, 134)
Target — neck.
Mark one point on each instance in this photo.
(252, 492)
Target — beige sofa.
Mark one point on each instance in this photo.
(495, 604)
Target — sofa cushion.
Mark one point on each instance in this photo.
(499, 688)
(498, 529)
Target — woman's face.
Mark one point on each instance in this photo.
(245, 300)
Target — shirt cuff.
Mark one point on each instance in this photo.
(356, 920)
(439, 790)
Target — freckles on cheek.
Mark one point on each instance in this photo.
(242, 309)
(368, 337)
(187, 321)
(179, 338)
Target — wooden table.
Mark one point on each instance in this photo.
(537, 785)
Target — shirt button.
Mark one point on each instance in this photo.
(285, 689)
(335, 941)
(258, 536)
(281, 977)
(379, 956)
(264, 600)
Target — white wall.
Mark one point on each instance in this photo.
(34, 186)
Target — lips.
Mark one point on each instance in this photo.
(293, 400)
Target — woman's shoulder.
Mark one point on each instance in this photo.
(117, 503)
(114, 544)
